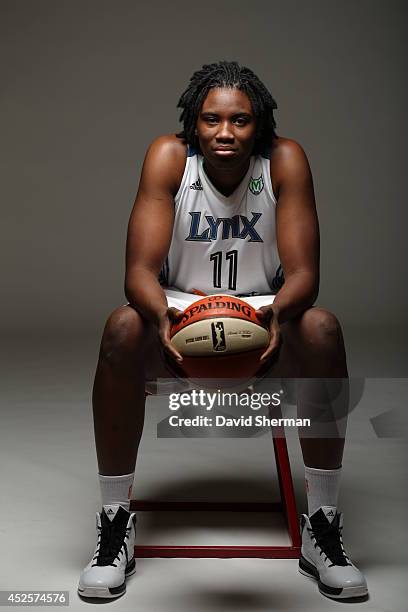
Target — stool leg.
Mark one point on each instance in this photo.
(286, 484)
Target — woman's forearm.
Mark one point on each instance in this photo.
(298, 293)
(145, 294)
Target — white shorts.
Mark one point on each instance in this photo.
(159, 376)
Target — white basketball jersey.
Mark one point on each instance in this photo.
(224, 244)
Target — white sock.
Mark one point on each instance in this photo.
(322, 487)
(116, 489)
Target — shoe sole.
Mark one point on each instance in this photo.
(309, 570)
(106, 592)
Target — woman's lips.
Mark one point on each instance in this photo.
(224, 152)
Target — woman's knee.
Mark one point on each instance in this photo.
(124, 335)
(320, 328)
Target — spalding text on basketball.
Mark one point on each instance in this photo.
(212, 304)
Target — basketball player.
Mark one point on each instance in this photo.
(225, 206)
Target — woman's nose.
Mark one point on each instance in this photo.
(224, 131)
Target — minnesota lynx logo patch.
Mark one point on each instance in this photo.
(256, 185)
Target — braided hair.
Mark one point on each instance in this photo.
(227, 74)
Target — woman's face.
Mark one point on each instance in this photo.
(226, 127)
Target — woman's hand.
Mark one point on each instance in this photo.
(267, 315)
(170, 316)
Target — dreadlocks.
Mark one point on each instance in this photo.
(227, 74)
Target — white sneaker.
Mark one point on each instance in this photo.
(113, 561)
(323, 556)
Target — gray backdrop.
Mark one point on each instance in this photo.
(86, 85)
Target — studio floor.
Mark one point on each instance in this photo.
(50, 491)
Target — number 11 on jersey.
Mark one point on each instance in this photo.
(231, 259)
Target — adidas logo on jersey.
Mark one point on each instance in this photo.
(197, 186)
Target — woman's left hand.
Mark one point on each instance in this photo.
(267, 315)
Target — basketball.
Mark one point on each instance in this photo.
(220, 336)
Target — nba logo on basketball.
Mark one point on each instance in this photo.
(218, 336)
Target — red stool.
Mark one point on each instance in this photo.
(287, 506)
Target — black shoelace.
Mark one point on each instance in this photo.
(328, 538)
(111, 541)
